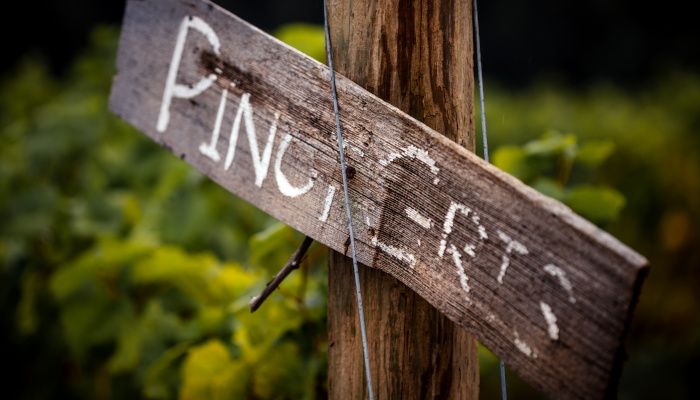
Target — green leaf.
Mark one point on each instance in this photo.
(513, 160)
(199, 276)
(307, 38)
(171, 266)
(160, 380)
(599, 204)
(280, 374)
(96, 321)
(99, 265)
(271, 248)
(549, 187)
(551, 143)
(144, 337)
(593, 153)
(487, 360)
(210, 373)
(256, 335)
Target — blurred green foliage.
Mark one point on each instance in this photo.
(125, 273)
(547, 164)
(307, 38)
(655, 135)
(132, 268)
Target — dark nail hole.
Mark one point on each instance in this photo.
(350, 171)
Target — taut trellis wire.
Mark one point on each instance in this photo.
(346, 198)
(485, 142)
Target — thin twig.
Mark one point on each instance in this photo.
(292, 264)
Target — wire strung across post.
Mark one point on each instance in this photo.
(348, 210)
(343, 165)
(485, 142)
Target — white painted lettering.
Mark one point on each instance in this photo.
(457, 258)
(469, 249)
(551, 319)
(327, 204)
(209, 150)
(177, 90)
(397, 253)
(261, 163)
(414, 153)
(523, 347)
(511, 246)
(448, 225)
(419, 219)
(283, 184)
(563, 280)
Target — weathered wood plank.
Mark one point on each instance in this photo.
(544, 289)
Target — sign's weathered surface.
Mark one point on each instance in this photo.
(545, 290)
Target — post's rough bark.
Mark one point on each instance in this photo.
(416, 55)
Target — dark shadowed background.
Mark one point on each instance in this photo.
(624, 41)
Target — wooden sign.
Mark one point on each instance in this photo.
(544, 289)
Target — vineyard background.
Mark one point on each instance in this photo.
(124, 273)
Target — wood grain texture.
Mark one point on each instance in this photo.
(417, 56)
(429, 212)
(416, 353)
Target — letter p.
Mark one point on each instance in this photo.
(174, 89)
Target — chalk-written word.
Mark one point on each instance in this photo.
(456, 216)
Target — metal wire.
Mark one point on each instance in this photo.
(348, 210)
(485, 141)
(484, 134)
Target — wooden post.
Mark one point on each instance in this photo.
(417, 55)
